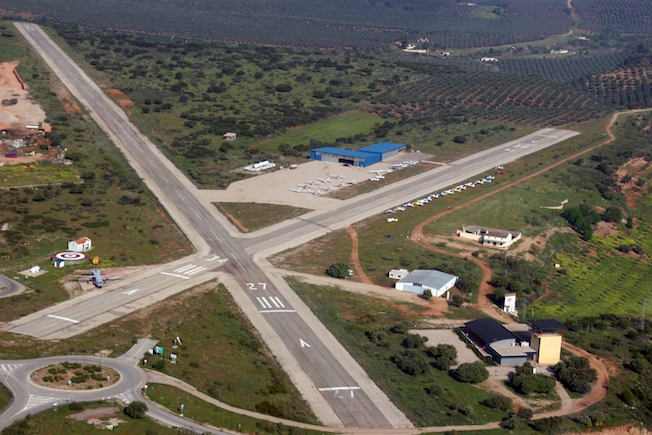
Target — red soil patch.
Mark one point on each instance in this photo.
(630, 189)
(119, 97)
(605, 229)
(355, 259)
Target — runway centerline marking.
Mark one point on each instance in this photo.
(239, 264)
(67, 319)
(175, 275)
(130, 292)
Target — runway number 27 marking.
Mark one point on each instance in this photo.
(261, 286)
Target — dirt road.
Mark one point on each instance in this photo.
(355, 258)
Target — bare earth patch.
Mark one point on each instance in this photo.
(629, 188)
(18, 110)
(119, 97)
(100, 418)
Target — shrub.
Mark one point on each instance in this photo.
(427, 294)
(471, 373)
(576, 374)
(159, 365)
(136, 409)
(526, 382)
(410, 362)
(501, 403)
(444, 356)
(269, 408)
(581, 218)
(413, 341)
(338, 270)
(546, 425)
(400, 328)
(459, 139)
(457, 301)
(75, 406)
(612, 214)
(379, 338)
(525, 413)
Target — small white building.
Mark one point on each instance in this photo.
(489, 237)
(489, 60)
(34, 270)
(230, 136)
(439, 283)
(260, 166)
(509, 306)
(80, 245)
(398, 273)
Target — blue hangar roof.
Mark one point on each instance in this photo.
(382, 147)
(344, 152)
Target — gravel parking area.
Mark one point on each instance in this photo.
(446, 336)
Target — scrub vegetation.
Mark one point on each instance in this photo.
(98, 196)
(221, 354)
(374, 331)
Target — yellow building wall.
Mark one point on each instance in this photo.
(548, 347)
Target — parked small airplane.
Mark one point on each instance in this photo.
(97, 278)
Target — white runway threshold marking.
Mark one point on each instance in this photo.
(278, 311)
(336, 390)
(67, 319)
(175, 275)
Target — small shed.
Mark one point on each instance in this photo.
(230, 136)
(80, 245)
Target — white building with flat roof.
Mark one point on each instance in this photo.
(398, 273)
(490, 237)
(439, 283)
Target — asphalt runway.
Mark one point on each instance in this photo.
(347, 399)
(351, 399)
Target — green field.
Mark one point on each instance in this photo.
(252, 216)
(350, 316)
(5, 397)
(221, 355)
(328, 130)
(204, 412)
(58, 422)
(43, 173)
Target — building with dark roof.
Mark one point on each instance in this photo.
(487, 331)
(503, 345)
(547, 325)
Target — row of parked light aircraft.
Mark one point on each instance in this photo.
(426, 199)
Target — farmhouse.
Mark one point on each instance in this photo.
(489, 237)
(419, 280)
(365, 156)
(230, 136)
(80, 245)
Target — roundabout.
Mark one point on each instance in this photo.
(75, 376)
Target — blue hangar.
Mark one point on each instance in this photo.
(365, 156)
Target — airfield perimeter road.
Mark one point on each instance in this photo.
(337, 388)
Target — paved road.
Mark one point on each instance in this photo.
(9, 287)
(339, 395)
(30, 398)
